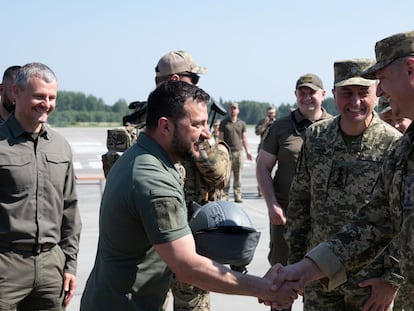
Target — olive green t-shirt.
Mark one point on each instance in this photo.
(284, 140)
(142, 205)
(233, 133)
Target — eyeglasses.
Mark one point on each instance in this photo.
(193, 77)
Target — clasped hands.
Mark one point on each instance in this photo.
(289, 281)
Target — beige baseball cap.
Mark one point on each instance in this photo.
(177, 62)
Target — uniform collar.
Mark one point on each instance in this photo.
(17, 130)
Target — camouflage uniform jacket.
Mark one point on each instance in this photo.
(206, 177)
(118, 140)
(333, 181)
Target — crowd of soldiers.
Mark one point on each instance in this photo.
(338, 191)
(281, 146)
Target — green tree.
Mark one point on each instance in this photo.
(75, 107)
(250, 111)
(285, 109)
(83, 116)
(121, 106)
(330, 106)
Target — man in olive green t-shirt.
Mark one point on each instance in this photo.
(144, 235)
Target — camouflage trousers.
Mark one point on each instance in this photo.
(188, 297)
(405, 298)
(236, 168)
(349, 297)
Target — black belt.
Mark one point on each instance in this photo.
(25, 247)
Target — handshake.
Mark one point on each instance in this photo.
(289, 281)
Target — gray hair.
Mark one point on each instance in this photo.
(34, 70)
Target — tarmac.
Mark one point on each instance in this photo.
(88, 144)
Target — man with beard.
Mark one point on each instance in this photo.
(404, 299)
(144, 233)
(6, 102)
(203, 177)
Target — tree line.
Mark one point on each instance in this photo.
(252, 112)
(75, 108)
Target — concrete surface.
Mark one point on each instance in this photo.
(88, 145)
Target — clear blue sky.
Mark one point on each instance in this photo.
(254, 50)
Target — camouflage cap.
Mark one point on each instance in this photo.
(383, 105)
(389, 49)
(310, 80)
(176, 62)
(348, 72)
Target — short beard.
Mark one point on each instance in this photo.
(182, 151)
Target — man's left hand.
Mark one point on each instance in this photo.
(69, 287)
(382, 294)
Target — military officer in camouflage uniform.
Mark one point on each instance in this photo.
(338, 167)
(405, 298)
(385, 214)
(405, 242)
(118, 140)
(204, 178)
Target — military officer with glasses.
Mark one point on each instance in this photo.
(203, 178)
(178, 65)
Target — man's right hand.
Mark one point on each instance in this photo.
(297, 276)
(285, 295)
(276, 215)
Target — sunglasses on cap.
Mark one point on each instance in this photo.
(193, 77)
